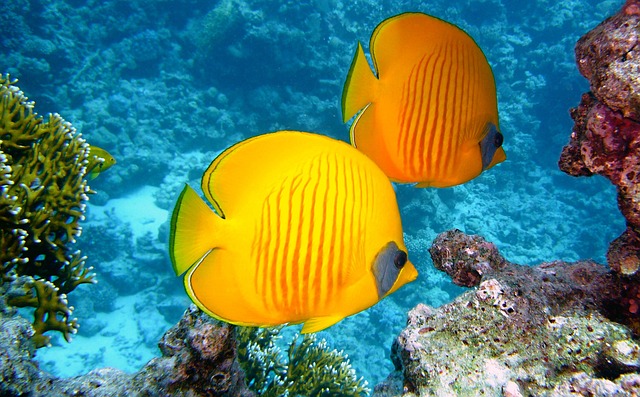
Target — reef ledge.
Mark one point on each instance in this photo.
(540, 330)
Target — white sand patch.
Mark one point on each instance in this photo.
(123, 340)
(138, 209)
(118, 344)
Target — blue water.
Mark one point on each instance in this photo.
(164, 86)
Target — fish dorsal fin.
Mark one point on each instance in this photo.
(224, 178)
(400, 40)
(225, 183)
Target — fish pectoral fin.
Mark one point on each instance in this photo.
(319, 323)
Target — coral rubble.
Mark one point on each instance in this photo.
(43, 194)
(526, 330)
(606, 135)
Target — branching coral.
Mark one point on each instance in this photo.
(311, 369)
(43, 194)
(52, 311)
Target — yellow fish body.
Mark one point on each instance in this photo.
(429, 115)
(99, 161)
(307, 230)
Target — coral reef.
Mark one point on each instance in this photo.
(526, 330)
(199, 359)
(43, 197)
(311, 369)
(606, 135)
(132, 87)
(215, 25)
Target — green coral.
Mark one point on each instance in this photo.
(43, 194)
(310, 368)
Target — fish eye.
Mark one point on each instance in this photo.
(498, 139)
(400, 259)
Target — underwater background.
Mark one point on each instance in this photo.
(165, 86)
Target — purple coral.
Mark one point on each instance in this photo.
(606, 135)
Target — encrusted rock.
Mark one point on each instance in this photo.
(452, 253)
(606, 136)
(523, 331)
(609, 57)
(199, 358)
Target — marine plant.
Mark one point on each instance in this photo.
(43, 194)
(309, 369)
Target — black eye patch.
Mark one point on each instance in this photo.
(387, 266)
(490, 144)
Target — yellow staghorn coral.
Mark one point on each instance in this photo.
(43, 195)
(52, 311)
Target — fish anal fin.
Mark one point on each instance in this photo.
(359, 88)
(319, 323)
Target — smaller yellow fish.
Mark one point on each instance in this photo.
(99, 160)
(306, 229)
(428, 112)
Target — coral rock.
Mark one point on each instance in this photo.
(199, 358)
(525, 330)
(605, 143)
(606, 135)
(608, 56)
(451, 254)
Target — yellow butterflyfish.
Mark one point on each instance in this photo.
(306, 229)
(428, 114)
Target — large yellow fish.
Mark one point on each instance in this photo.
(429, 114)
(305, 229)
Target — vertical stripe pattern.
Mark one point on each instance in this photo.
(312, 226)
(436, 105)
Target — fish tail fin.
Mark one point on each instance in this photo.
(194, 227)
(359, 86)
